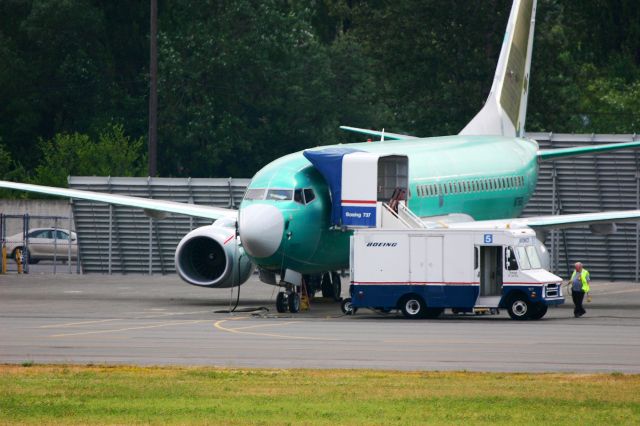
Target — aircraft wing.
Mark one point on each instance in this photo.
(552, 154)
(126, 200)
(387, 135)
(557, 221)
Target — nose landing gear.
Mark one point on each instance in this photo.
(288, 301)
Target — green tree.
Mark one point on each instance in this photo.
(112, 154)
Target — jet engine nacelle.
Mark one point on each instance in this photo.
(210, 256)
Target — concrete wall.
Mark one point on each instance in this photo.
(35, 208)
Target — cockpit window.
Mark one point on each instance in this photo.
(280, 194)
(254, 194)
(309, 195)
(297, 196)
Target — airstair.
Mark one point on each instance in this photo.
(368, 190)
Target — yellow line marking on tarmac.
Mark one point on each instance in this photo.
(241, 330)
(165, 314)
(71, 324)
(265, 325)
(144, 327)
(148, 315)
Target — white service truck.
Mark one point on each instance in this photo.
(424, 271)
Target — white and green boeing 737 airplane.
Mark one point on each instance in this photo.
(483, 176)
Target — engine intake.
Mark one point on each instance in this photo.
(210, 257)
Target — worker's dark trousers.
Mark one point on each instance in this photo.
(578, 297)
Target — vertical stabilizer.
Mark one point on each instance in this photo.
(505, 111)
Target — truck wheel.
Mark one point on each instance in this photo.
(281, 303)
(294, 303)
(413, 307)
(347, 307)
(538, 311)
(519, 308)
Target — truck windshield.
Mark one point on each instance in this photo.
(534, 260)
(528, 258)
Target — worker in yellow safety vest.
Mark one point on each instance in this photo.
(580, 280)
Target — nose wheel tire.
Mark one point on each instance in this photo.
(281, 302)
(347, 307)
(413, 307)
(520, 309)
(294, 303)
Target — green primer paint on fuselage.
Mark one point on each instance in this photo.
(485, 177)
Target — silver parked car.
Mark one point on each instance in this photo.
(44, 244)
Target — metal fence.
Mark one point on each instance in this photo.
(118, 239)
(46, 248)
(608, 181)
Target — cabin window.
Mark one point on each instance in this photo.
(254, 194)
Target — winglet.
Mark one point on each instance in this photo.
(382, 134)
(553, 154)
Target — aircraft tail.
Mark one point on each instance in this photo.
(505, 110)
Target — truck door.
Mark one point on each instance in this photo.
(490, 270)
(427, 263)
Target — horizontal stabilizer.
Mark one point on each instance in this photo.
(194, 210)
(386, 135)
(552, 154)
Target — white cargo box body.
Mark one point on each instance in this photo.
(448, 268)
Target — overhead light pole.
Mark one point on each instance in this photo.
(153, 90)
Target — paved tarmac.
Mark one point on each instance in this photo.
(145, 320)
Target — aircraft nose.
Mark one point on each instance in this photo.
(261, 227)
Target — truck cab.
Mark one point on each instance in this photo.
(422, 272)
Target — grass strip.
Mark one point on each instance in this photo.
(66, 394)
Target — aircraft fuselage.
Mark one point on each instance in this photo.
(484, 177)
